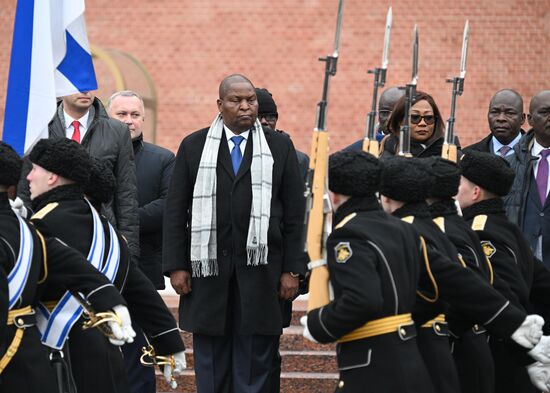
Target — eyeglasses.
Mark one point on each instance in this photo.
(268, 116)
(428, 119)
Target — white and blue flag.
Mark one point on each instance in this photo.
(50, 58)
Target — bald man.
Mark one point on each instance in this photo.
(505, 117)
(232, 233)
(388, 99)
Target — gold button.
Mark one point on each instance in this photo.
(341, 384)
(402, 331)
(20, 321)
(437, 328)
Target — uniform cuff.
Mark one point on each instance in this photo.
(317, 327)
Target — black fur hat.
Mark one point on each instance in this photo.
(63, 157)
(266, 103)
(488, 171)
(354, 173)
(102, 183)
(405, 179)
(10, 165)
(445, 176)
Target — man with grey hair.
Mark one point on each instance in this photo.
(154, 167)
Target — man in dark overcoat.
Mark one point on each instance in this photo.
(232, 241)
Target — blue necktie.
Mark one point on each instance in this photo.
(236, 155)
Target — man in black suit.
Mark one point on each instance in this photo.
(154, 166)
(505, 117)
(232, 241)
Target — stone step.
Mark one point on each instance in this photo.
(291, 382)
(296, 361)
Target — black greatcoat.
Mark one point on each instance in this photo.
(146, 307)
(513, 261)
(379, 279)
(203, 310)
(63, 269)
(154, 166)
(458, 287)
(471, 350)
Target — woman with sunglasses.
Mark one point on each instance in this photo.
(427, 127)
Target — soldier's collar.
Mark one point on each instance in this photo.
(488, 206)
(355, 205)
(416, 209)
(445, 207)
(61, 193)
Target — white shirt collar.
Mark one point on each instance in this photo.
(69, 120)
(497, 145)
(537, 148)
(229, 134)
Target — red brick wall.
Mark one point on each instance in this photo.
(189, 46)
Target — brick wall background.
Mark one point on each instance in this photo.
(188, 46)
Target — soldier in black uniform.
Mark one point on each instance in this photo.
(374, 274)
(486, 178)
(470, 346)
(25, 367)
(444, 281)
(62, 172)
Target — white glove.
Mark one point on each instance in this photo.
(540, 376)
(181, 364)
(530, 331)
(18, 207)
(123, 333)
(541, 352)
(306, 333)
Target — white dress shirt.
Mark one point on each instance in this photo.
(69, 129)
(229, 134)
(497, 145)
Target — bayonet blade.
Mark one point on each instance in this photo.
(338, 28)
(387, 34)
(464, 56)
(415, 56)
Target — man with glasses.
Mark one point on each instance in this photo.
(268, 116)
(505, 119)
(388, 99)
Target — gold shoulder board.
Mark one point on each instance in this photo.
(345, 220)
(479, 222)
(408, 219)
(440, 222)
(45, 210)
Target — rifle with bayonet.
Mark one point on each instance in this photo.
(410, 95)
(370, 144)
(317, 198)
(449, 150)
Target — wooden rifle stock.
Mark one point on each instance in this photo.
(318, 202)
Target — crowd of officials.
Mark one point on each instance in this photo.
(448, 294)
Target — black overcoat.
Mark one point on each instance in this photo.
(204, 309)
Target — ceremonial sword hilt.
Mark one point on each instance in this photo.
(149, 359)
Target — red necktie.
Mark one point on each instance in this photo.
(76, 133)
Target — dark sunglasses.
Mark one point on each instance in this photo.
(268, 116)
(428, 119)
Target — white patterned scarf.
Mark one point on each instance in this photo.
(204, 261)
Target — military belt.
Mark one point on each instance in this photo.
(438, 325)
(378, 327)
(21, 318)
